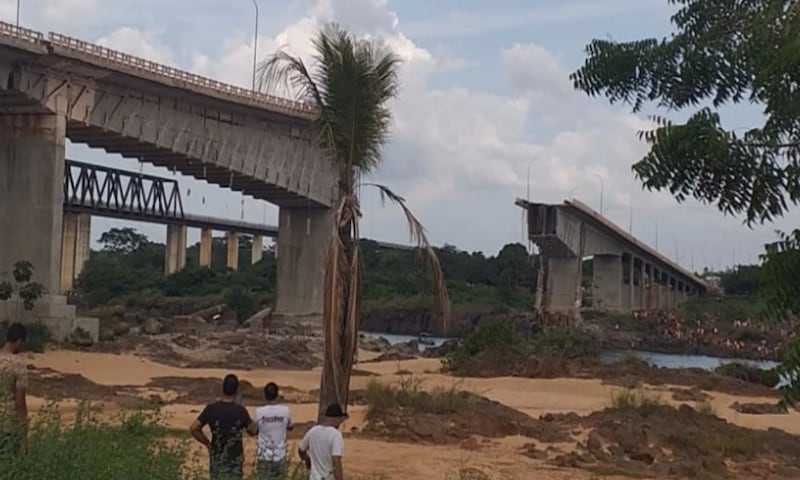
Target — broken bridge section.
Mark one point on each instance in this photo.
(627, 274)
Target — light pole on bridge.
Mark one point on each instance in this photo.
(602, 188)
(255, 45)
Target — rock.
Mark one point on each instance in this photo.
(259, 320)
(760, 408)
(151, 326)
(442, 350)
(121, 329)
(185, 341)
(106, 334)
(81, 338)
(189, 324)
(235, 339)
(374, 344)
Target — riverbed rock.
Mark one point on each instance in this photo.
(121, 329)
(374, 344)
(106, 334)
(152, 326)
(80, 338)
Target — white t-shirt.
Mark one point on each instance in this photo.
(272, 422)
(322, 443)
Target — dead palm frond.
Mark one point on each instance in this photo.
(350, 84)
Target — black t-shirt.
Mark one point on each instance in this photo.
(227, 420)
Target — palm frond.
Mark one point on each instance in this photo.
(419, 237)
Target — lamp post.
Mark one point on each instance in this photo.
(18, 13)
(255, 45)
(602, 188)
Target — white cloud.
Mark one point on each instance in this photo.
(138, 43)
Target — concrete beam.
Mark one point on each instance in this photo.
(75, 248)
(175, 254)
(232, 244)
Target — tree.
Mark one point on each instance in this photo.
(23, 285)
(350, 84)
(123, 240)
(724, 52)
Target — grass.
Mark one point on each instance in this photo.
(635, 398)
(408, 393)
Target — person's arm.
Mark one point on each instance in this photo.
(197, 429)
(337, 451)
(302, 451)
(252, 427)
(289, 423)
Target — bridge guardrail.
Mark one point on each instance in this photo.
(21, 33)
(114, 56)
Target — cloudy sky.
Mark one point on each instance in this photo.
(485, 99)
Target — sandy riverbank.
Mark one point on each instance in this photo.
(367, 456)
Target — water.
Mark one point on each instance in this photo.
(666, 360)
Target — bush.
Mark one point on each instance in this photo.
(568, 342)
(130, 447)
(38, 336)
(409, 394)
(242, 302)
(634, 399)
(493, 337)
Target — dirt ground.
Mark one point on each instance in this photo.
(517, 428)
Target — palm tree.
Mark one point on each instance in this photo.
(350, 82)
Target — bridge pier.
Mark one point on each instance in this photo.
(75, 243)
(232, 261)
(303, 237)
(607, 281)
(206, 242)
(563, 280)
(175, 254)
(257, 252)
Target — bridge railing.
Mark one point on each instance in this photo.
(124, 194)
(9, 30)
(144, 65)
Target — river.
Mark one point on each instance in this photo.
(667, 360)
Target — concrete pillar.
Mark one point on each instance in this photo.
(75, 248)
(32, 194)
(175, 254)
(632, 280)
(258, 249)
(563, 281)
(641, 299)
(607, 282)
(232, 261)
(673, 294)
(206, 242)
(303, 238)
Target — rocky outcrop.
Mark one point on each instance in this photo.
(402, 321)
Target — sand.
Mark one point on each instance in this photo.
(397, 460)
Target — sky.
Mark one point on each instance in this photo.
(486, 112)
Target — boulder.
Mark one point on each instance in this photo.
(259, 320)
(121, 329)
(374, 344)
(80, 338)
(106, 334)
(151, 326)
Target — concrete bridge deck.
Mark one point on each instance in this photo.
(627, 273)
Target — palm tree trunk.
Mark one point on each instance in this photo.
(342, 317)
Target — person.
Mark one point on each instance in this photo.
(273, 420)
(14, 384)
(322, 446)
(227, 418)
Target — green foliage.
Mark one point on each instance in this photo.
(242, 302)
(722, 53)
(743, 280)
(567, 342)
(38, 336)
(409, 394)
(494, 338)
(27, 290)
(635, 399)
(123, 240)
(130, 446)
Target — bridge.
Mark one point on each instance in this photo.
(98, 191)
(627, 274)
(54, 87)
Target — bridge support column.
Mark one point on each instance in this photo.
(303, 238)
(258, 249)
(75, 243)
(607, 281)
(232, 261)
(563, 279)
(32, 194)
(175, 254)
(206, 242)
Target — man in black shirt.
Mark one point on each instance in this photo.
(227, 419)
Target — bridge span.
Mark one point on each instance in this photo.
(627, 274)
(54, 87)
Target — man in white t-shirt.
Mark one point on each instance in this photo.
(322, 447)
(273, 420)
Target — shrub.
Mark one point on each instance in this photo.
(38, 336)
(493, 337)
(130, 446)
(635, 399)
(409, 394)
(569, 342)
(242, 302)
